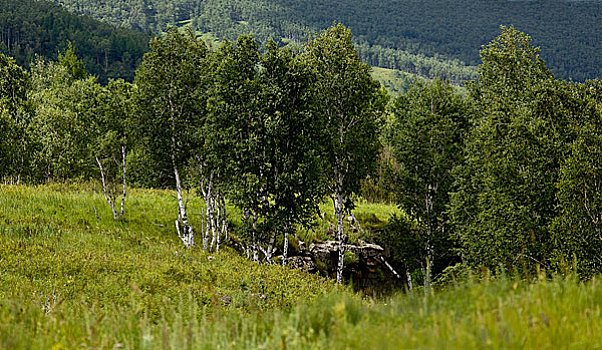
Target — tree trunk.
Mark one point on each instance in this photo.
(105, 190)
(124, 164)
(429, 206)
(207, 195)
(224, 219)
(427, 272)
(254, 244)
(270, 250)
(285, 246)
(338, 211)
(187, 234)
(409, 279)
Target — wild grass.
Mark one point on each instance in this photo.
(69, 280)
(371, 216)
(51, 242)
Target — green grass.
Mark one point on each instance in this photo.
(69, 280)
(394, 80)
(372, 217)
(52, 245)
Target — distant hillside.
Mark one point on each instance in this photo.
(31, 27)
(428, 37)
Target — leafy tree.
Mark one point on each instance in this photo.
(14, 117)
(172, 83)
(234, 121)
(72, 64)
(65, 110)
(505, 197)
(576, 232)
(291, 168)
(430, 125)
(272, 144)
(348, 105)
(113, 132)
(405, 243)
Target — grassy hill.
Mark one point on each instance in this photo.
(70, 280)
(395, 80)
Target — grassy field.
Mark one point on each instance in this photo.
(69, 280)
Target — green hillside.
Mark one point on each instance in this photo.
(71, 280)
(389, 31)
(29, 28)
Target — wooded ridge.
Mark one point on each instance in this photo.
(433, 38)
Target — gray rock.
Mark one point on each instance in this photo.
(302, 262)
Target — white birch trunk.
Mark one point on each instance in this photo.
(224, 226)
(270, 250)
(186, 234)
(123, 164)
(105, 190)
(409, 279)
(285, 246)
(254, 244)
(338, 210)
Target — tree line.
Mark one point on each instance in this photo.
(504, 176)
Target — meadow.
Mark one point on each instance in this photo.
(71, 277)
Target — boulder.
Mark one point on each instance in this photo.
(302, 263)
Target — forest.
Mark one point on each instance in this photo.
(31, 28)
(433, 38)
(166, 210)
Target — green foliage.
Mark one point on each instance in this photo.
(31, 28)
(72, 64)
(348, 105)
(14, 119)
(433, 38)
(171, 82)
(428, 134)
(262, 125)
(65, 111)
(506, 196)
(576, 230)
(427, 139)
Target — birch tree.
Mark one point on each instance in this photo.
(113, 139)
(430, 124)
(261, 117)
(292, 184)
(14, 117)
(505, 194)
(234, 115)
(348, 105)
(172, 83)
(65, 110)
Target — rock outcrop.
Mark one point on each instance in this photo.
(367, 267)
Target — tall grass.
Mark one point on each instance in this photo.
(553, 314)
(69, 280)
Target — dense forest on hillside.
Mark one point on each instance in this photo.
(29, 28)
(433, 38)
